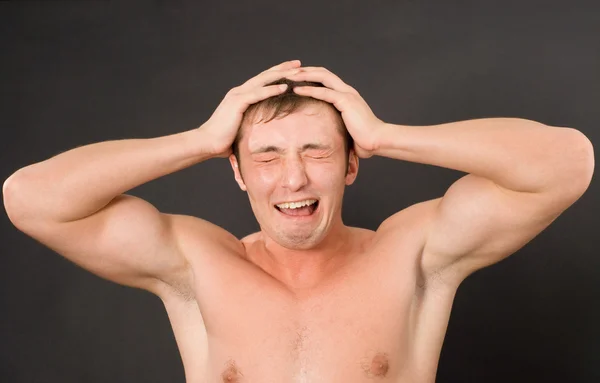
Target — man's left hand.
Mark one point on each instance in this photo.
(362, 124)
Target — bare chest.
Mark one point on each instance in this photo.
(352, 328)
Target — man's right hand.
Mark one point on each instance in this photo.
(75, 203)
(223, 125)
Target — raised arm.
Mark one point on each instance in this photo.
(74, 203)
(521, 176)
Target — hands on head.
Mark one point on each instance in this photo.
(225, 121)
(361, 123)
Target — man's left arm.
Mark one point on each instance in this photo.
(521, 176)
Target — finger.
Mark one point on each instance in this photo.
(258, 94)
(269, 76)
(313, 68)
(285, 65)
(316, 69)
(323, 76)
(326, 78)
(329, 95)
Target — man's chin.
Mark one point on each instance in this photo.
(307, 245)
(296, 242)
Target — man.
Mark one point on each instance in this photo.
(305, 299)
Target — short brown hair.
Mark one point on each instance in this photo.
(284, 104)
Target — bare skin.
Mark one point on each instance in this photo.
(347, 309)
(363, 320)
(305, 299)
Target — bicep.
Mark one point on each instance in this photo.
(128, 242)
(478, 223)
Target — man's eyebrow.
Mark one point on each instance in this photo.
(272, 148)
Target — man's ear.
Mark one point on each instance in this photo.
(236, 172)
(352, 172)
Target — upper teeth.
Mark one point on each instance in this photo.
(295, 205)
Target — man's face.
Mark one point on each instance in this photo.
(297, 158)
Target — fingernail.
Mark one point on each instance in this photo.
(283, 86)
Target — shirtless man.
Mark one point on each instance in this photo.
(306, 299)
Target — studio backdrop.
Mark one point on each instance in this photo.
(75, 73)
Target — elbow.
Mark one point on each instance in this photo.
(12, 198)
(583, 162)
(585, 156)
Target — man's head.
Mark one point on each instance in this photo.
(283, 105)
(292, 148)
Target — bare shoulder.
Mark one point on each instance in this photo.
(413, 219)
(405, 233)
(200, 242)
(196, 236)
(250, 238)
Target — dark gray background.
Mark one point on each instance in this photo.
(75, 73)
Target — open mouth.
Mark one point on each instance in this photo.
(299, 211)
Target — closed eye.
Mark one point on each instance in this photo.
(318, 155)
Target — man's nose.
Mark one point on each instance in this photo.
(294, 174)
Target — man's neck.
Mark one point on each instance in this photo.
(306, 268)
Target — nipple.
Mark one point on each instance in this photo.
(231, 374)
(380, 365)
(377, 367)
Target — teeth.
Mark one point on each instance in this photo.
(295, 205)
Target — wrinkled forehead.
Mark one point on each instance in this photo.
(314, 122)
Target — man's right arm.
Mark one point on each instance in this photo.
(74, 203)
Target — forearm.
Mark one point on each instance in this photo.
(81, 181)
(517, 154)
